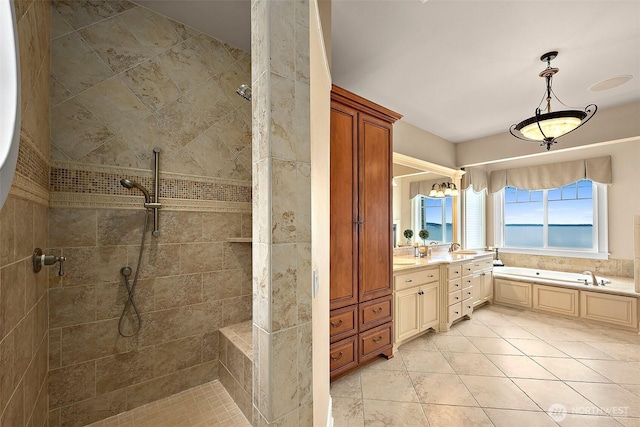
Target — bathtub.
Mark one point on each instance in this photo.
(548, 277)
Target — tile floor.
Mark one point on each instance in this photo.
(505, 367)
(205, 405)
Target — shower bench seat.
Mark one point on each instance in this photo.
(236, 364)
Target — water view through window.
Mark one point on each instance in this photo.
(564, 216)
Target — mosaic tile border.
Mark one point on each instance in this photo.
(83, 185)
(31, 162)
(77, 200)
(25, 188)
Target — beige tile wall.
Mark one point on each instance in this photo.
(23, 226)
(125, 80)
(282, 379)
(611, 267)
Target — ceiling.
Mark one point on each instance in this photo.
(461, 69)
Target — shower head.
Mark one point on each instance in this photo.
(132, 184)
(244, 91)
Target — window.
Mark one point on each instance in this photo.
(474, 219)
(567, 219)
(435, 216)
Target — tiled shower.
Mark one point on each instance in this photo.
(125, 80)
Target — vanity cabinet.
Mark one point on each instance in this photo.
(416, 303)
(482, 281)
(361, 229)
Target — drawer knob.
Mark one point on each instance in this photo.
(377, 310)
(455, 312)
(431, 275)
(338, 357)
(337, 325)
(457, 285)
(377, 339)
(457, 297)
(408, 281)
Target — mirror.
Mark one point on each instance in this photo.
(440, 216)
(10, 99)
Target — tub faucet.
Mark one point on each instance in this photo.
(454, 246)
(593, 277)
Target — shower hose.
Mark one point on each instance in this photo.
(131, 286)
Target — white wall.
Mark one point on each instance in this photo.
(607, 125)
(420, 144)
(320, 126)
(623, 194)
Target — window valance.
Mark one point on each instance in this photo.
(423, 187)
(474, 177)
(552, 175)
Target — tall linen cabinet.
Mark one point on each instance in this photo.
(361, 300)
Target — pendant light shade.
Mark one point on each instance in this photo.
(546, 127)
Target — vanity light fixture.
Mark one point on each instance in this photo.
(443, 190)
(546, 125)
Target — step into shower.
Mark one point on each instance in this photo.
(236, 364)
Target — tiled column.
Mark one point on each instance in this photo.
(282, 392)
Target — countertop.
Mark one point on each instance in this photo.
(401, 263)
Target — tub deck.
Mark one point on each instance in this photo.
(624, 286)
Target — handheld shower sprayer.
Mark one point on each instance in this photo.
(132, 184)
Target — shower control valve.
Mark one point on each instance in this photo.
(39, 259)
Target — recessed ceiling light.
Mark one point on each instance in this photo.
(610, 83)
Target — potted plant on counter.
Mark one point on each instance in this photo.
(424, 235)
(408, 234)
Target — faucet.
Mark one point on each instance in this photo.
(593, 277)
(454, 246)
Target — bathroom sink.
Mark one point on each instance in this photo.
(465, 252)
(403, 262)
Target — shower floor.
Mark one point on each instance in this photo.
(205, 405)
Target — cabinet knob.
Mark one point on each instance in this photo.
(337, 325)
(421, 293)
(377, 310)
(338, 357)
(377, 339)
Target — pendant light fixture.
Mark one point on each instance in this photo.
(546, 125)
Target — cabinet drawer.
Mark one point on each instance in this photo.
(467, 293)
(455, 311)
(485, 264)
(375, 341)
(469, 268)
(374, 313)
(343, 322)
(467, 282)
(467, 307)
(343, 355)
(454, 271)
(455, 297)
(408, 280)
(455, 285)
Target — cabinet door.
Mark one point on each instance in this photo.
(428, 307)
(478, 290)
(344, 204)
(407, 313)
(487, 286)
(374, 207)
